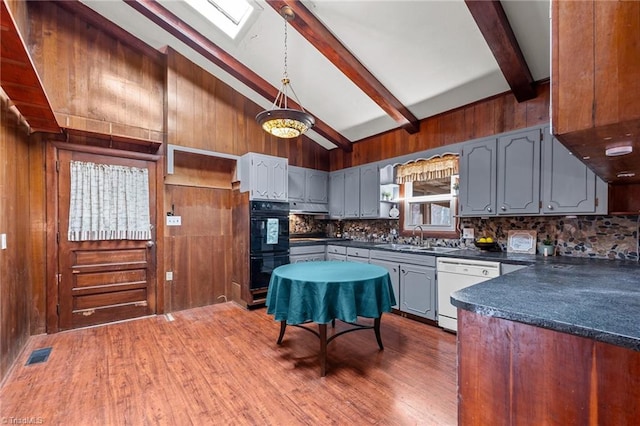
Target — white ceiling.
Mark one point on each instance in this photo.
(429, 54)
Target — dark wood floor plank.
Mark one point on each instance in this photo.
(220, 364)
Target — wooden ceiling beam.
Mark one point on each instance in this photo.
(173, 25)
(322, 39)
(494, 26)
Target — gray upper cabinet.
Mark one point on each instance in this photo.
(316, 185)
(352, 193)
(297, 183)
(336, 194)
(264, 176)
(568, 186)
(369, 191)
(308, 185)
(478, 171)
(518, 179)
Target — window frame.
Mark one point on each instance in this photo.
(431, 230)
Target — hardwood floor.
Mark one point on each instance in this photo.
(220, 365)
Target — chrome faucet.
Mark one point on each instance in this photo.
(421, 231)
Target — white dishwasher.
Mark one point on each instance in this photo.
(455, 274)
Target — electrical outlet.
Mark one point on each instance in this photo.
(169, 276)
(174, 220)
(467, 233)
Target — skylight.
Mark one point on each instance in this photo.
(228, 15)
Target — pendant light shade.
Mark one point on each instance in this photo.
(282, 121)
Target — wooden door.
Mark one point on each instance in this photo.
(107, 280)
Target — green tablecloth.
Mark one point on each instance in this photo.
(323, 291)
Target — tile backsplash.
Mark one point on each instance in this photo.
(603, 237)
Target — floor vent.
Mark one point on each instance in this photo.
(38, 356)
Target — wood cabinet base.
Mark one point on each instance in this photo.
(513, 373)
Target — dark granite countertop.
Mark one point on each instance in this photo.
(594, 298)
(597, 299)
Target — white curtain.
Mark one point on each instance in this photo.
(108, 203)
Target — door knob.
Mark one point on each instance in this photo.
(150, 244)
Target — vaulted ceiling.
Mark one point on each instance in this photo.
(360, 67)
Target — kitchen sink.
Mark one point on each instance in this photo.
(414, 248)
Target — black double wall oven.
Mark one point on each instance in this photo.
(269, 241)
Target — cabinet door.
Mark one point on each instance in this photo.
(279, 179)
(260, 177)
(297, 177)
(316, 186)
(369, 191)
(519, 173)
(394, 273)
(338, 257)
(568, 186)
(336, 195)
(478, 178)
(352, 193)
(418, 290)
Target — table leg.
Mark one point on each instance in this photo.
(376, 328)
(283, 326)
(322, 328)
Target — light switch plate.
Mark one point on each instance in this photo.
(467, 233)
(174, 220)
(3, 241)
(169, 276)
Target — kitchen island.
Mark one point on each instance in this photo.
(555, 343)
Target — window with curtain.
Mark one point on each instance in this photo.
(108, 202)
(430, 189)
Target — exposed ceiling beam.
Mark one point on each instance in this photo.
(495, 27)
(173, 25)
(322, 39)
(19, 78)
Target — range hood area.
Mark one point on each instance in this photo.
(299, 207)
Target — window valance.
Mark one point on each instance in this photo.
(423, 170)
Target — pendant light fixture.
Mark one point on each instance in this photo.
(280, 120)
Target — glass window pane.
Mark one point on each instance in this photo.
(432, 187)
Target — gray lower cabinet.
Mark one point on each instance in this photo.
(394, 273)
(418, 290)
(355, 254)
(413, 277)
(315, 253)
(336, 253)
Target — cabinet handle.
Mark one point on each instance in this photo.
(488, 209)
(503, 208)
(395, 270)
(550, 207)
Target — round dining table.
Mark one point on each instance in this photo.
(322, 292)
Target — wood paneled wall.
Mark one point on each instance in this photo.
(94, 82)
(204, 112)
(22, 262)
(498, 114)
(200, 252)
